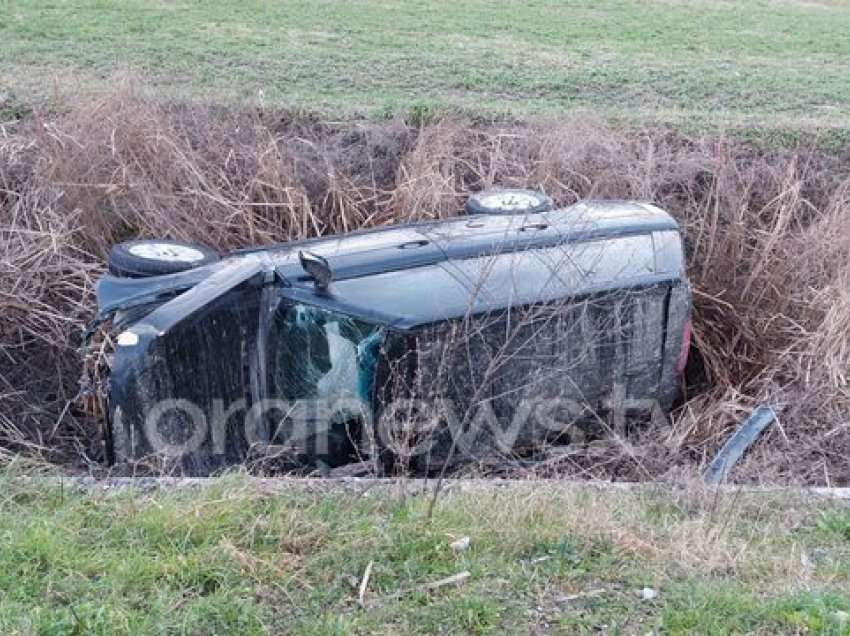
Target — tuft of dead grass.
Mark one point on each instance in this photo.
(767, 233)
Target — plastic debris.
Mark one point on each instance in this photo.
(460, 545)
(735, 446)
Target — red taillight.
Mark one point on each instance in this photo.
(686, 347)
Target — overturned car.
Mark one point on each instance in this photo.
(420, 345)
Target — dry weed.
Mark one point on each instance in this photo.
(767, 233)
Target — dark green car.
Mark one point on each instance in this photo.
(418, 345)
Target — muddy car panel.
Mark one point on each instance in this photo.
(584, 302)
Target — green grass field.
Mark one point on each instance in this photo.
(230, 559)
(775, 63)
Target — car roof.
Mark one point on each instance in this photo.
(413, 275)
(378, 250)
(409, 275)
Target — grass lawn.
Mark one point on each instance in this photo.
(775, 63)
(231, 558)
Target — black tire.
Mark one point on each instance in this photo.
(527, 202)
(140, 259)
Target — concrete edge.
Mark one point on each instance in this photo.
(418, 486)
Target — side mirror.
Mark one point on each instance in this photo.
(317, 268)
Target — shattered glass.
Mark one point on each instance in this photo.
(325, 362)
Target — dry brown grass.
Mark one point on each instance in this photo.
(768, 236)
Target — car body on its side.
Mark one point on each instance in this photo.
(489, 331)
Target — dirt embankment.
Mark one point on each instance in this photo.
(768, 237)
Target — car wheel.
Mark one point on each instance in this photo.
(140, 259)
(508, 201)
